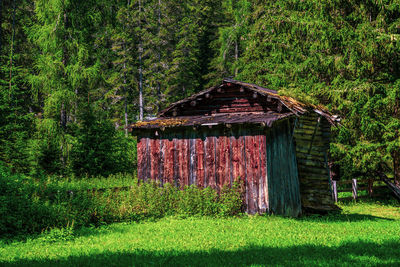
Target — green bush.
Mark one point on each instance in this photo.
(29, 206)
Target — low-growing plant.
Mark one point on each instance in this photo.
(32, 206)
(231, 203)
(58, 234)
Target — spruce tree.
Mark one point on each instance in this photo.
(232, 36)
(344, 55)
(16, 101)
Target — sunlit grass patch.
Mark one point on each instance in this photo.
(364, 234)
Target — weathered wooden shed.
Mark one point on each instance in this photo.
(275, 144)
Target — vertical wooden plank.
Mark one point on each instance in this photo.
(185, 160)
(231, 179)
(269, 158)
(217, 159)
(283, 184)
(150, 148)
(192, 159)
(242, 158)
(210, 161)
(250, 174)
(222, 161)
(162, 155)
(147, 160)
(294, 174)
(176, 159)
(236, 155)
(243, 166)
(262, 204)
(141, 150)
(154, 158)
(227, 168)
(180, 162)
(205, 143)
(168, 145)
(255, 154)
(265, 174)
(290, 198)
(199, 161)
(280, 181)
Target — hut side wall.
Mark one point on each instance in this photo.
(283, 182)
(312, 137)
(207, 157)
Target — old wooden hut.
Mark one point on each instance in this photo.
(276, 145)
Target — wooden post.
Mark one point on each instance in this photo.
(334, 191)
(354, 188)
(370, 187)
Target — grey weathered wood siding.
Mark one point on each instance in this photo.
(283, 182)
(312, 136)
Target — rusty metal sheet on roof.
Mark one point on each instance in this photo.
(217, 119)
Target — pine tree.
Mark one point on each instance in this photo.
(341, 54)
(232, 37)
(196, 26)
(16, 101)
(123, 78)
(68, 65)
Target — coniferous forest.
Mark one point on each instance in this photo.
(74, 74)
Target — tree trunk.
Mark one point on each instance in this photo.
(396, 153)
(140, 71)
(12, 45)
(63, 112)
(125, 98)
(236, 56)
(1, 19)
(125, 90)
(159, 57)
(396, 167)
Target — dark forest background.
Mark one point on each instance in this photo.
(74, 73)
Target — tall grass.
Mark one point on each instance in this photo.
(32, 206)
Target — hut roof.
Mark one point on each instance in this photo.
(295, 108)
(214, 119)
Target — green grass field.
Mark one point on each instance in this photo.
(363, 234)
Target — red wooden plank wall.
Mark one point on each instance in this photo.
(210, 158)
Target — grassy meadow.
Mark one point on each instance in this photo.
(363, 234)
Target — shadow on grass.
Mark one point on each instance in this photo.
(350, 253)
(343, 217)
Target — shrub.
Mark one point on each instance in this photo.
(30, 206)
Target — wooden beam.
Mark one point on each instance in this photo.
(354, 188)
(334, 191)
(315, 131)
(279, 107)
